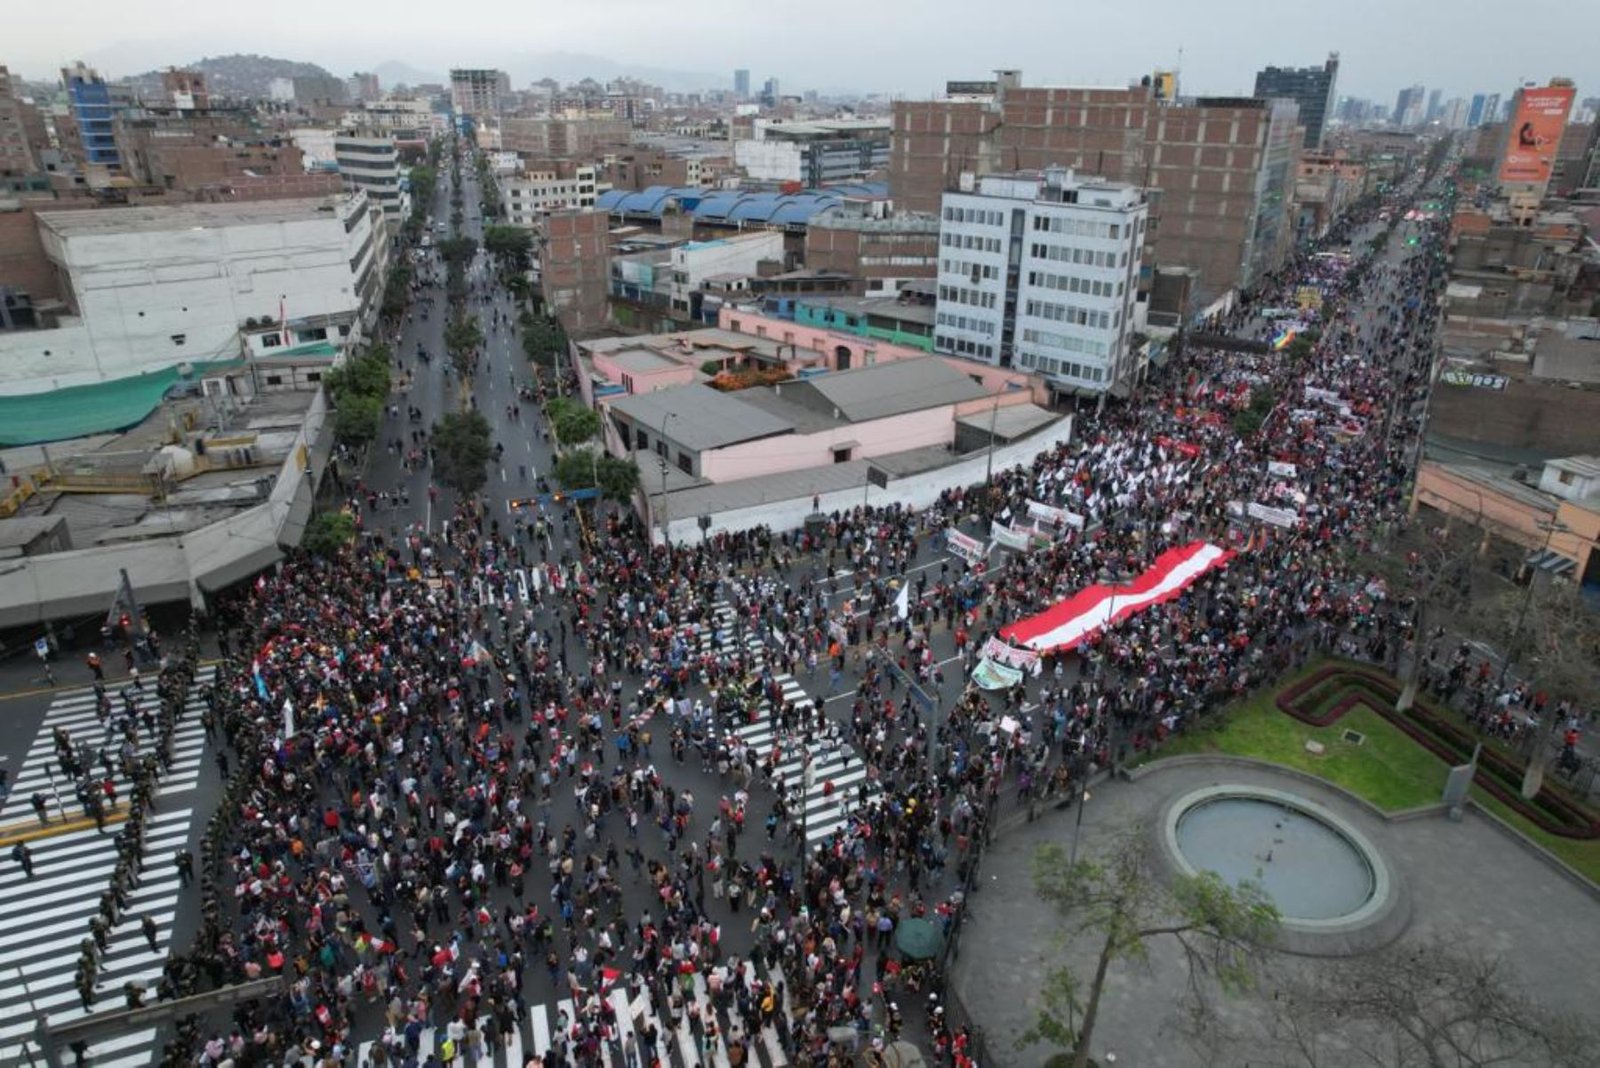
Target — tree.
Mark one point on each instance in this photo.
(581, 468)
(571, 421)
(519, 286)
(461, 451)
(358, 418)
(328, 533)
(458, 249)
(542, 340)
(1433, 1003)
(462, 337)
(511, 245)
(1119, 903)
(424, 180)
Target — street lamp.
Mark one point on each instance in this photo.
(661, 452)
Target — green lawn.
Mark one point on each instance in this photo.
(1388, 768)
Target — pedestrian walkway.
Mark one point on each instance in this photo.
(618, 1022)
(44, 919)
(827, 776)
(74, 711)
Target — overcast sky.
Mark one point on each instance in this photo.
(907, 47)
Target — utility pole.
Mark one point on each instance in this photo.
(994, 418)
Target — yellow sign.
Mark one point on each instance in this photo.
(1309, 297)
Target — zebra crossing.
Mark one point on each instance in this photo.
(682, 1040)
(825, 777)
(44, 919)
(74, 711)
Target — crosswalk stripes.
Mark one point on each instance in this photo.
(682, 1046)
(74, 711)
(829, 788)
(44, 919)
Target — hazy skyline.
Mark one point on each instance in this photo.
(909, 49)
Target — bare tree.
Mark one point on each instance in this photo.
(1118, 902)
(1430, 1003)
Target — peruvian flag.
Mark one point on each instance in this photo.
(1092, 609)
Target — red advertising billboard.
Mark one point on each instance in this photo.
(1535, 134)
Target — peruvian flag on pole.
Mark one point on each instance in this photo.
(1090, 610)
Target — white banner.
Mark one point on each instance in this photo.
(1278, 517)
(992, 676)
(1326, 396)
(1044, 513)
(1073, 519)
(965, 546)
(1281, 469)
(998, 651)
(1004, 535)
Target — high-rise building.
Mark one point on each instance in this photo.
(770, 94)
(1311, 88)
(741, 84)
(1491, 108)
(478, 92)
(1475, 110)
(365, 86)
(1433, 105)
(1040, 271)
(92, 110)
(1408, 106)
(1220, 170)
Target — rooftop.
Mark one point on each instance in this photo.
(888, 307)
(149, 218)
(642, 361)
(699, 417)
(887, 389)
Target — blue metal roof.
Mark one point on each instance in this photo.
(731, 205)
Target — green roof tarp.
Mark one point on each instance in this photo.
(77, 411)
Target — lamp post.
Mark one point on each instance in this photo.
(661, 452)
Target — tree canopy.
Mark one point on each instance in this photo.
(617, 479)
(328, 533)
(511, 245)
(1118, 905)
(571, 422)
(461, 451)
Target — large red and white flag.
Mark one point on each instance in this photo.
(1093, 608)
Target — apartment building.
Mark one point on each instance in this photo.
(371, 163)
(539, 192)
(1038, 271)
(478, 92)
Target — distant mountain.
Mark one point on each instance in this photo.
(241, 75)
(396, 72)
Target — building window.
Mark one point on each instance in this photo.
(1566, 478)
(684, 465)
(644, 441)
(274, 380)
(271, 341)
(841, 456)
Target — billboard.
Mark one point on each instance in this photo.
(1535, 134)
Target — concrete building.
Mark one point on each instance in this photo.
(19, 157)
(185, 89)
(1220, 170)
(574, 250)
(147, 288)
(1325, 185)
(370, 163)
(741, 84)
(1312, 88)
(580, 139)
(885, 251)
(477, 93)
(814, 153)
(1410, 106)
(537, 193)
(693, 263)
(94, 114)
(1040, 272)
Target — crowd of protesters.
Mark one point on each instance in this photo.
(451, 754)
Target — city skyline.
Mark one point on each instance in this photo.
(1379, 47)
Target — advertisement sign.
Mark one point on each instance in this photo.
(1534, 134)
(1470, 378)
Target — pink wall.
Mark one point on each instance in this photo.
(807, 340)
(796, 452)
(605, 364)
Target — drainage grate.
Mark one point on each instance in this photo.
(1354, 737)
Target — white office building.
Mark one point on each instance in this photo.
(148, 288)
(370, 163)
(1039, 272)
(536, 194)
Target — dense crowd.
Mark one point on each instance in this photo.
(451, 794)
